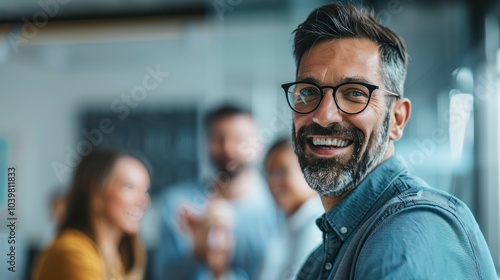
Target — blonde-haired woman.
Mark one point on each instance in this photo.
(98, 238)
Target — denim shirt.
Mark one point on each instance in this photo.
(394, 226)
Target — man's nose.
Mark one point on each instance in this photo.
(327, 111)
(229, 147)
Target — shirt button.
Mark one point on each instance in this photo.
(343, 230)
(328, 266)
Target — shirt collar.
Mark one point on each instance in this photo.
(348, 213)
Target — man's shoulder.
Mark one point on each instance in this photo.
(422, 227)
(422, 209)
(417, 199)
(416, 193)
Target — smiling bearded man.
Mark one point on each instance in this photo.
(348, 105)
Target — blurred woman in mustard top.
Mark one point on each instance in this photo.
(98, 238)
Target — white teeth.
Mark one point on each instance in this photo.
(135, 214)
(321, 141)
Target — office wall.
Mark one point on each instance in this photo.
(69, 67)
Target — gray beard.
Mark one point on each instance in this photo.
(332, 177)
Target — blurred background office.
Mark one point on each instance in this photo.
(141, 74)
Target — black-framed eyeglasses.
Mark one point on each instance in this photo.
(351, 97)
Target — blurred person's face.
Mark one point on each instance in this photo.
(337, 150)
(286, 181)
(126, 196)
(226, 143)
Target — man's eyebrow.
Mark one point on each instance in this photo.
(355, 79)
(346, 79)
(308, 79)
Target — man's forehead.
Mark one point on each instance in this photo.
(246, 118)
(343, 50)
(353, 57)
(243, 122)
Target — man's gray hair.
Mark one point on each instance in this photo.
(340, 21)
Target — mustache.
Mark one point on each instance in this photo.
(334, 129)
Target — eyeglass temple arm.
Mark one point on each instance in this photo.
(389, 92)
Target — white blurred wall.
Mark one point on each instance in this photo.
(67, 68)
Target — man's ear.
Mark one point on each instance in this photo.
(401, 112)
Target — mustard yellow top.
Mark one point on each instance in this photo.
(72, 255)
